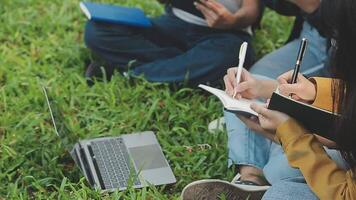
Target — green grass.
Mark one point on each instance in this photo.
(41, 42)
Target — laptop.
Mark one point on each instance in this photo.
(114, 163)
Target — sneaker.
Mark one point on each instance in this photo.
(98, 71)
(213, 189)
(217, 125)
(248, 185)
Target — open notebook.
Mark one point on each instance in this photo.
(239, 106)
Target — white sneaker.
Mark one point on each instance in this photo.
(248, 185)
(217, 125)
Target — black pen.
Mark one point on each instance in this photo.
(301, 53)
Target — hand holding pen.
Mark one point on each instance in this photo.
(239, 82)
(301, 53)
(294, 84)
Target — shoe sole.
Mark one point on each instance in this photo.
(217, 189)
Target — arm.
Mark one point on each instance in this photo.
(323, 98)
(248, 14)
(322, 174)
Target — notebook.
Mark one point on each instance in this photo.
(314, 119)
(115, 14)
(187, 6)
(241, 106)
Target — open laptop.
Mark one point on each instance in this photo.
(110, 163)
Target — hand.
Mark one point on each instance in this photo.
(304, 90)
(253, 124)
(248, 88)
(216, 14)
(269, 119)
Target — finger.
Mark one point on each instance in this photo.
(242, 118)
(208, 14)
(296, 97)
(254, 118)
(261, 110)
(231, 73)
(287, 89)
(285, 78)
(228, 85)
(300, 77)
(213, 5)
(245, 75)
(238, 96)
(250, 123)
(241, 87)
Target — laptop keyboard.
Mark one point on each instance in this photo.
(113, 162)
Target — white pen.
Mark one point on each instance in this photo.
(242, 56)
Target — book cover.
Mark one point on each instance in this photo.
(316, 120)
(115, 14)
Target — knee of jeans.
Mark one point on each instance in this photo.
(89, 33)
(91, 37)
(266, 68)
(289, 190)
(279, 170)
(233, 123)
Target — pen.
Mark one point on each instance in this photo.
(242, 56)
(301, 53)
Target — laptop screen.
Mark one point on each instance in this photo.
(59, 123)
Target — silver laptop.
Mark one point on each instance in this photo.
(111, 163)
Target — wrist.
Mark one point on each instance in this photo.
(259, 88)
(266, 88)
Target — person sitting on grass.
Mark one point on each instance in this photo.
(253, 167)
(179, 47)
(324, 173)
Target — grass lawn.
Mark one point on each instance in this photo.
(41, 42)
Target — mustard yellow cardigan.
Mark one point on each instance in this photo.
(306, 153)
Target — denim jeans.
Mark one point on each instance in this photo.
(172, 50)
(291, 189)
(249, 148)
(283, 59)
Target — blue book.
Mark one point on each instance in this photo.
(115, 14)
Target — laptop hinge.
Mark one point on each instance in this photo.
(85, 163)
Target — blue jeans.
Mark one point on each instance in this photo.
(249, 148)
(172, 50)
(292, 189)
(283, 59)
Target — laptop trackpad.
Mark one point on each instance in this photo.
(148, 157)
